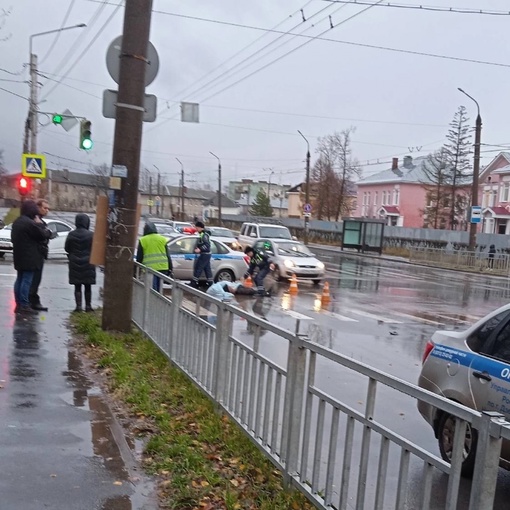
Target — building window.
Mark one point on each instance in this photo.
(383, 199)
(505, 192)
(375, 198)
(492, 198)
(396, 196)
(368, 198)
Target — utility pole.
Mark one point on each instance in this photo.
(122, 227)
(307, 189)
(182, 189)
(158, 192)
(33, 103)
(150, 194)
(476, 171)
(219, 187)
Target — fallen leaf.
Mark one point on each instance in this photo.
(117, 482)
(204, 483)
(234, 482)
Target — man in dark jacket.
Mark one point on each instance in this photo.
(153, 252)
(33, 296)
(81, 272)
(202, 257)
(27, 233)
(261, 262)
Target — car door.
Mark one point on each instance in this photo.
(57, 245)
(183, 257)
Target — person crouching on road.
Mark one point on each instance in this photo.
(81, 272)
(227, 290)
(28, 231)
(203, 258)
(261, 262)
(153, 252)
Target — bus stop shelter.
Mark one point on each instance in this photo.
(363, 234)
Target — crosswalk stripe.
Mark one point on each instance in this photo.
(338, 316)
(376, 317)
(419, 319)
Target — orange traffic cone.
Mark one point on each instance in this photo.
(248, 282)
(325, 298)
(293, 289)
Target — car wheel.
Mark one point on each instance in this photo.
(225, 275)
(2, 254)
(445, 435)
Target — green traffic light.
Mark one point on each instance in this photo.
(87, 144)
(57, 119)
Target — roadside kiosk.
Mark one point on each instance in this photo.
(363, 234)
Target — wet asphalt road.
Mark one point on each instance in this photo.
(60, 447)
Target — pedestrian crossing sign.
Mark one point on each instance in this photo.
(34, 165)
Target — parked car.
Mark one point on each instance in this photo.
(183, 227)
(56, 245)
(471, 367)
(291, 257)
(226, 236)
(250, 232)
(166, 230)
(226, 264)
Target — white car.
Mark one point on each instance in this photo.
(56, 245)
(291, 257)
(225, 236)
(250, 232)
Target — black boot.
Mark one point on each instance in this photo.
(88, 299)
(77, 297)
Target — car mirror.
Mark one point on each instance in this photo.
(294, 238)
(253, 234)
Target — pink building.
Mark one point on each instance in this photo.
(396, 195)
(495, 195)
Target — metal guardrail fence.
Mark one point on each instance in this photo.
(319, 416)
(461, 259)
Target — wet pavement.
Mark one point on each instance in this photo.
(61, 447)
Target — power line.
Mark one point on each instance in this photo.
(14, 94)
(455, 10)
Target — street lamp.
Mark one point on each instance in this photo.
(32, 112)
(182, 189)
(269, 184)
(307, 189)
(219, 186)
(476, 171)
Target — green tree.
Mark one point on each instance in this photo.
(262, 205)
(437, 187)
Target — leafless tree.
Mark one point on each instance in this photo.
(437, 187)
(101, 174)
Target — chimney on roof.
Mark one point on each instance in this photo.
(408, 161)
(394, 164)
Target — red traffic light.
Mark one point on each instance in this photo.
(23, 186)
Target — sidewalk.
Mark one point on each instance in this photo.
(61, 447)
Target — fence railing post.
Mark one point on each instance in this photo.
(177, 296)
(147, 282)
(223, 330)
(293, 407)
(488, 450)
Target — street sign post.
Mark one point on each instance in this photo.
(110, 105)
(476, 214)
(307, 208)
(33, 165)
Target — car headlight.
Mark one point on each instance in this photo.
(288, 263)
(320, 265)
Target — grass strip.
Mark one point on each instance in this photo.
(202, 459)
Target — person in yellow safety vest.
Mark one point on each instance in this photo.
(153, 252)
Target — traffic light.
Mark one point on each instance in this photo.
(86, 142)
(57, 119)
(23, 186)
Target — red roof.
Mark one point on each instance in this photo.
(499, 211)
(391, 209)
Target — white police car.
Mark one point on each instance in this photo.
(471, 367)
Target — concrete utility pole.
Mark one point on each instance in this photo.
(122, 228)
(219, 187)
(307, 189)
(158, 191)
(476, 170)
(150, 194)
(182, 189)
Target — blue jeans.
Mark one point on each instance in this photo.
(202, 264)
(259, 280)
(22, 287)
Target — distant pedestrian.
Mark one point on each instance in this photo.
(35, 300)
(203, 256)
(492, 253)
(153, 252)
(81, 272)
(260, 262)
(28, 231)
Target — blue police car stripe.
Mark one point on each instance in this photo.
(474, 361)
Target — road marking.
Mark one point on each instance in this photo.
(296, 315)
(376, 317)
(338, 316)
(419, 319)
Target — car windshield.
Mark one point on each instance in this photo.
(221, 232)
(165, 229)
(296, 249)
(275, 232)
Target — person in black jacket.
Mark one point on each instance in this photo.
(33, 296)
(261, 262)
(202, 257)
(81, 272)
(28, 231)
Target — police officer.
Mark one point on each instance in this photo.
(202, 257)
(153, 252)
(261, 262)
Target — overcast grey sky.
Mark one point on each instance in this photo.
(395, 100)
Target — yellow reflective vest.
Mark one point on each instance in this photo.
(154, 252)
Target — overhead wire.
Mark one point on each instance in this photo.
(14, 94)
(57, 35)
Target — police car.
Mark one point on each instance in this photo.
(471, 367)
(226, 264)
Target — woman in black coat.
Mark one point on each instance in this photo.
(81, 271)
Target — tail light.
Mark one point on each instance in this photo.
(247, 260)
(428, 349)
